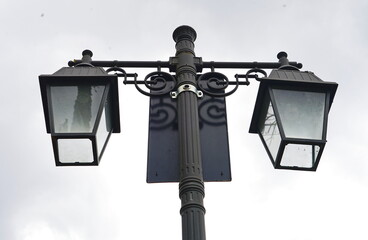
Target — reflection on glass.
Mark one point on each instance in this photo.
(270, 132)
(103, 131)
(299, 155)
(301, 113)
(75, 108)
(75, 150)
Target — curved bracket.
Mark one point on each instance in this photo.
(255, 70)
(216, 82)
(117, 69)
(158, 85)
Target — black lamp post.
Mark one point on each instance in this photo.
(81, 111)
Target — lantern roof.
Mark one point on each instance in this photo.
(83, 71)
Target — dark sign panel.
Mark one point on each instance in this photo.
(163, 140)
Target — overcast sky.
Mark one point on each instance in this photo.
(113, 201)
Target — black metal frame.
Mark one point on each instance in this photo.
(216, 83)
(199, 64)
(276, 162)
(266, 92)
(91, 136)
(109, 102)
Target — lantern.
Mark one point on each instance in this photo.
(81, 110)
(290, 117)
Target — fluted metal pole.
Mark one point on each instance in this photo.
(191, 186)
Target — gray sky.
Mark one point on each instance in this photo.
(113, 201)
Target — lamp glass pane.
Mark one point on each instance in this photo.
(75, 150)
(75, 108)
(270, 132)
(103, 130)
(301, 113)
(299, 155)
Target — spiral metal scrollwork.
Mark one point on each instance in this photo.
(117, 69)
(161, 83)
(216, 83)
(255, 70)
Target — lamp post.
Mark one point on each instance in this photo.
(81, 111)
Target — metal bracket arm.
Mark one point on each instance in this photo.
(199, 63)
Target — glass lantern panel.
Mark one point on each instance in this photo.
(299, 155)
(301, 113)
(270, 132)
(75, 150)
(103, 130)
(75, 108)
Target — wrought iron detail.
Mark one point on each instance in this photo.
(255, 70)
(158, 85)
(216, 83)
(249, 75)
(118, 69)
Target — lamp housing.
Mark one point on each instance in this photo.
(81, 108)
(290, 116)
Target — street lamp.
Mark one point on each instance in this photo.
(187, 117)
(290, 116)
(81, 111)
